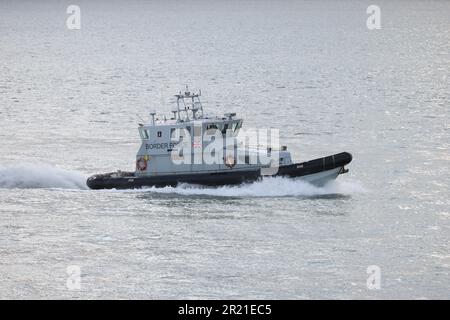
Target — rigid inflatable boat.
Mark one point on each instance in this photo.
(192, 147)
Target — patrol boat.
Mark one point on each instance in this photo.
(192, 147)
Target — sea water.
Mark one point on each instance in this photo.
(70, 101)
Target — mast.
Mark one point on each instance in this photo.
(189, 102)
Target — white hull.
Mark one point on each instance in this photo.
(321, 178)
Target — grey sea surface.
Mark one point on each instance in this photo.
(68, 106)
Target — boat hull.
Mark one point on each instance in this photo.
(317, 172)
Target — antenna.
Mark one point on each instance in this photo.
(152, 114)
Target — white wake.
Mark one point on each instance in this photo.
(26, 175)
(268, 187)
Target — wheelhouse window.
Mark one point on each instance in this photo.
(211, 129)
(144, 134)
(173, 134)
(185, 133)
(197, 131)
(237, 126)
(211, 126)
(178, 134)
(232, 126)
